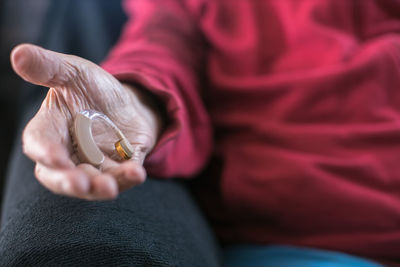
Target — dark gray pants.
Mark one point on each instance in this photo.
(154, 224)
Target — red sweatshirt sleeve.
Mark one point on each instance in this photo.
(161, 50)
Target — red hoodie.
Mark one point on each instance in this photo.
(304, 101)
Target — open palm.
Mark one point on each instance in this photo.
(77, 84)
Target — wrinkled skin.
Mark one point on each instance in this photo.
(77, 84)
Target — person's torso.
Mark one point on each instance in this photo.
(305, 102)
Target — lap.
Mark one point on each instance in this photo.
(154, 224)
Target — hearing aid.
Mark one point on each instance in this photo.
(85, 145)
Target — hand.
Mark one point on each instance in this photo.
(77, 84)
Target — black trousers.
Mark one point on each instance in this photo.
(154, 224)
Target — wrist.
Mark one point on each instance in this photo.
(148, 106)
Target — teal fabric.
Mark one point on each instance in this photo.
(288, 256)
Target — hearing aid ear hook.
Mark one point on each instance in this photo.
(86, 147)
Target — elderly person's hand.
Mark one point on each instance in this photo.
(77, 84)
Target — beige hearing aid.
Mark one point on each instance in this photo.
(85, 145)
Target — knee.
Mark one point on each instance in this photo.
(27, 241)
(80, 249)
(71, 232)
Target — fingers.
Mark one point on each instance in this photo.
(50, 154)
(44, 67)
(71, 182)
(102, 185)
(84, 181)
(127, 174)
(88, 182)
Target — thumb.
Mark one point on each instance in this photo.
(44, 67)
